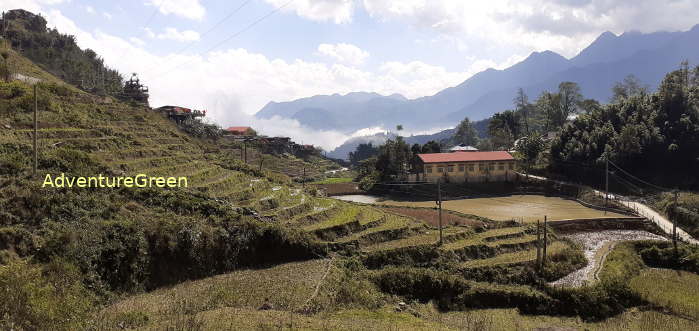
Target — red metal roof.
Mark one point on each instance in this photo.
(240, 129)
(465, 157)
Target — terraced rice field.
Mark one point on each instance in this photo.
(527, 207)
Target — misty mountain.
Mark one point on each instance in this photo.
(610, 58)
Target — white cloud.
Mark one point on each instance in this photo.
(149, 32)
(137, 41)
(107, 15)
(338, 11)
(89, 9)
(191, 9)
(182, 36)
(344, 53)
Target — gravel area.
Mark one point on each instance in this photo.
(592, 242)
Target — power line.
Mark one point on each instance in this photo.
(216, 25)
(638, 179)
(239, 32)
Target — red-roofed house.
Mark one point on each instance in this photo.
(239, 130)
(467, 166)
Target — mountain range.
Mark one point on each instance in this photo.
(607, 60)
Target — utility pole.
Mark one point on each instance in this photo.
(261, 159)
(36, 129)
(538, 246)
(303, 179)
(546, 236)
(245, 153)
(439, 204)
(606, 184)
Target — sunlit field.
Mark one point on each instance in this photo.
(528, 207)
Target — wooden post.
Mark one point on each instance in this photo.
(439, 204)
(261, 159)
(36, 129)
(538, 246)
(303, 179)
(245, 147)
(546, 237)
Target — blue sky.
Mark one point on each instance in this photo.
(309, 47)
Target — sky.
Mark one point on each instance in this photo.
(232, 57)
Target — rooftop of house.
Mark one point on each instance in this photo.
(238, 129)
(465, 157)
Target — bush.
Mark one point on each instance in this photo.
(51, 297)
(662, 255)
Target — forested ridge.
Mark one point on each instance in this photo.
(59, 53)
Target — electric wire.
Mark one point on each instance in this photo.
(239, 32)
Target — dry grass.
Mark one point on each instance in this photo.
(522, 256)
(672, 289)
(429, 237)
(286, 286)
(431, 216)
(480, 238)
(529, 207)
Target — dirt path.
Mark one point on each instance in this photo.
(596, 247)
(642, 209)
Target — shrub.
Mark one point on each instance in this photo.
(51, 297)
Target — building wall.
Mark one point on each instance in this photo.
(460, 172)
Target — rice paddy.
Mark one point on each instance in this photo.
(530, 208)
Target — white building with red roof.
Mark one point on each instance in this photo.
(460, 167)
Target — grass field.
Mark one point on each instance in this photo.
(529, 207)
(672, 289)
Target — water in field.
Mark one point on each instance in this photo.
(361, 198)
(596, 246)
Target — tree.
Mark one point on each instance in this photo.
(504, 128)
(629, 87)
(363, 152)
(570, 98)
(522, 105)
(393, 160)
(431, 147)
(466, 133)
(529, 148)
(655, 136)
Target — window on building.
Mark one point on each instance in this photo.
(481, 166)
(450, 168)
(470, 167)
(501, 166)
(462, 167)
(428, 169)
(512, 165)
(440, 169)
(491, 166)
